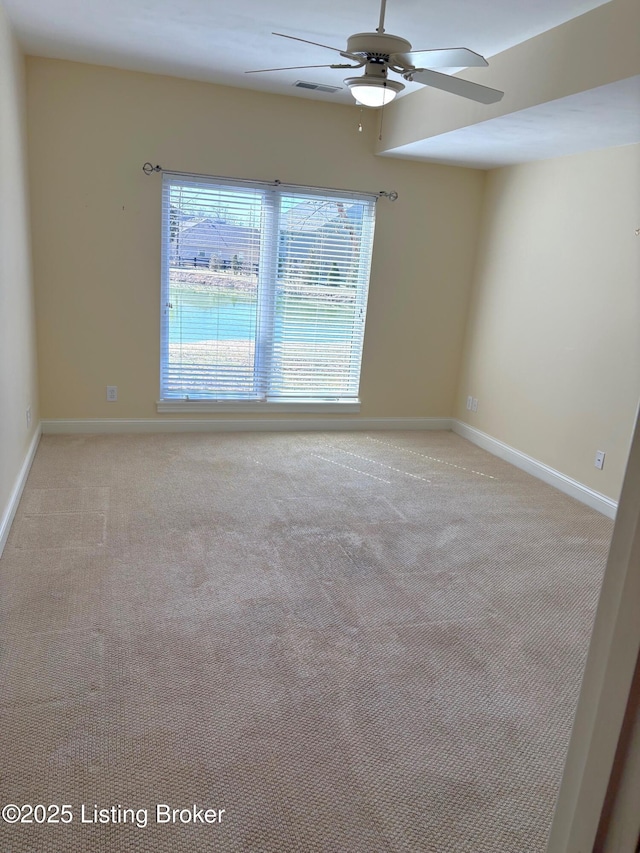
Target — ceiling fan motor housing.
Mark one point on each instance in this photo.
(377, 45)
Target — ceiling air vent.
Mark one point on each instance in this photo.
(318, 87)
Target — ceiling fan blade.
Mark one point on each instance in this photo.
(464, 88)
(450, 57)
(291, 68)
(317, 44)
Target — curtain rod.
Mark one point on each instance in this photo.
(149, 169)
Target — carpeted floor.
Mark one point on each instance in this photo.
(348, 642)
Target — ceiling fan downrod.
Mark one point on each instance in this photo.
(383, 5)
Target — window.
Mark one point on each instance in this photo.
(264, 292)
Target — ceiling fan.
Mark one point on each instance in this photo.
(378, 53)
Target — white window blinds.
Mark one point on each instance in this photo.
(264, 291)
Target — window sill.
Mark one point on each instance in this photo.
(252, 407)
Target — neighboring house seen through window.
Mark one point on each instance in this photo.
(264, 291)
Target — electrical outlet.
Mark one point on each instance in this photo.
(474, 404)
(28, 417)
(112, 393)
(599, 461)
(469, 402)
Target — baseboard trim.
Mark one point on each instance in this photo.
(532, 466)
(118, 425)
(10, 510)
(543, 472)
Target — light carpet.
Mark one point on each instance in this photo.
(347, 641)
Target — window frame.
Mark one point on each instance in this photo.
(272, 195)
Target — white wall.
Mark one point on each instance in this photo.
(18, 388)
(552, 346)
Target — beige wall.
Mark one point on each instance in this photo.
(552, 345)
(96, 230)
(17, 339)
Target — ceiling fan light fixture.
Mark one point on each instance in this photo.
(373, 91)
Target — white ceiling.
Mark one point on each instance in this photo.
(217, 41)
(599, 118)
